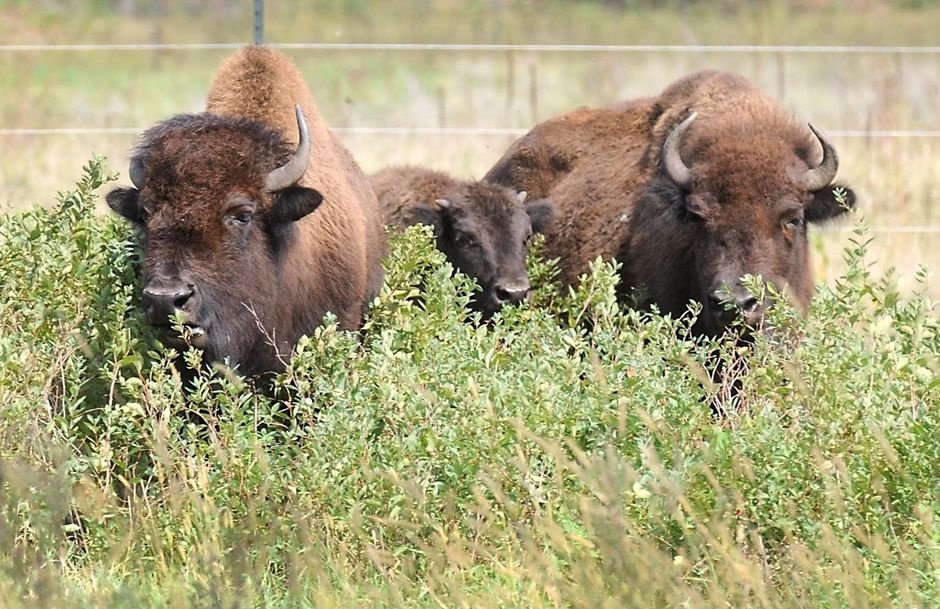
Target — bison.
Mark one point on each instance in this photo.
(690, 191)
(255, 220)
(484, 229)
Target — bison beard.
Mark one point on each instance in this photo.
(236, 241)
(690, 191)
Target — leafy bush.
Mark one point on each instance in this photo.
(565, 454)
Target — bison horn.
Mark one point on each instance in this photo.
(136, 173)
(290, 172)
(678, 171)
(821, 176)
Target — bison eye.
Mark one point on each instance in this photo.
(795, 223)
(464, 240)
(240, 219)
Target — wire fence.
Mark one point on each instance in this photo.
(494, 131)
(468, 48)
(537, 48)
(778, 50)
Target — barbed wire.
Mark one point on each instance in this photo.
(548, 48)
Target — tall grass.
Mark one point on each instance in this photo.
(564, 455)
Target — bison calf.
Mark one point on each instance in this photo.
(256, 221)
(484, 229)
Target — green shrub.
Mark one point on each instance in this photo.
(565, 454)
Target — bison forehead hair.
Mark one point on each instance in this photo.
(753, 176)
(479, 201)
(194, 153)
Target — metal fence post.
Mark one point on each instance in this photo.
(259, 22)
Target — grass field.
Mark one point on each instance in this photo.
(431, 461)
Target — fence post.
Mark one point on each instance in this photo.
(259, 22)
(534, 91)
(510, 79)
(441, 107)
(159, 9)
(781, 77)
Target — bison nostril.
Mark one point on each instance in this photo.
(163, 301)
(718, 300)
(749, 305)
(511, 293)
(182, 298)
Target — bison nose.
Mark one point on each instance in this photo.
(748, 305)
(514, 292)
(751, 309)
(718, 298)
(162, 300)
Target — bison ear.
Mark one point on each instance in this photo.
(826, 204)
(541, 213)
(293, 203)
(126, 202)
(427, 214)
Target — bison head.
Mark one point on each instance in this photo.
(484, 230)
(217, 200)
(745, 199)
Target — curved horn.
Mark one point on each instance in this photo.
(290, 172)
(136, 173)
(822, 176)
(678, 171)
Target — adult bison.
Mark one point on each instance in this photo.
(484, 229)
(690, 190)
(256, 221)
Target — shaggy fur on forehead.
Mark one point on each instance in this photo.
(401, 189)
(490, 200)
(192, 152)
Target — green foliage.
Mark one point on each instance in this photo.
(565, 454)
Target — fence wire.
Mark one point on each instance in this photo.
(537, 48)
(494, 131)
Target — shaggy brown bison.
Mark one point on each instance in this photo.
(484, 229)
(689, 190)
(256, 222)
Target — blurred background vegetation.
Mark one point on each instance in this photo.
(898, 178)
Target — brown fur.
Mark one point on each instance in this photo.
(484, 229)
(602, 168)
(263, 85)
(270, 280)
